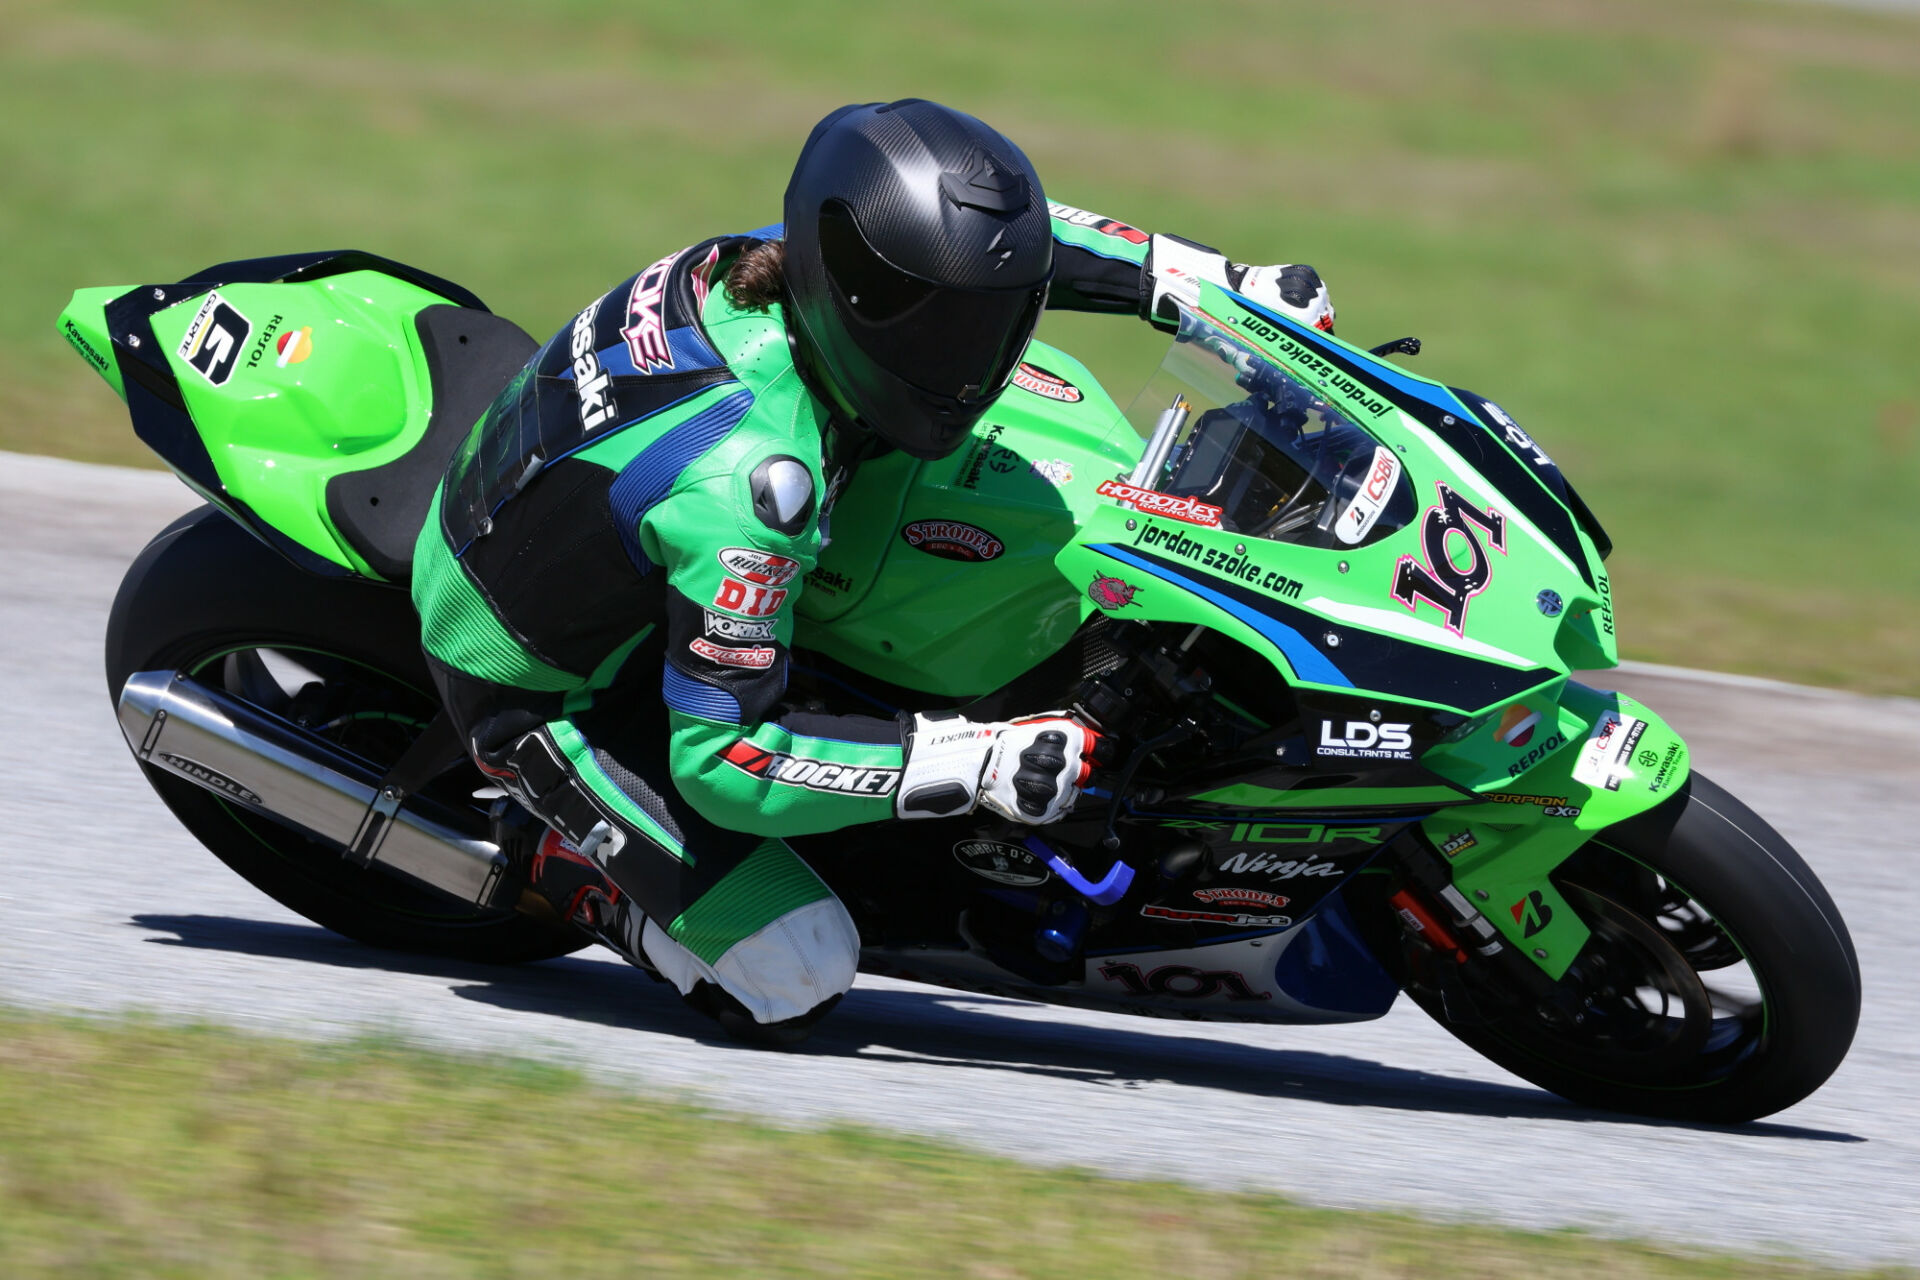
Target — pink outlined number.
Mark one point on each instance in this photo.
(1439, 581)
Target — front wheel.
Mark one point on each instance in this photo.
(1719, 984)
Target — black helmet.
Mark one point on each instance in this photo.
(918, 254)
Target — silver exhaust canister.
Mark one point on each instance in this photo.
(257, 760)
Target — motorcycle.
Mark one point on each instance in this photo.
(1326, 608)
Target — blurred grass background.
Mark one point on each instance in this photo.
(1680, 243)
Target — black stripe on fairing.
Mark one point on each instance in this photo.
(1383, 664)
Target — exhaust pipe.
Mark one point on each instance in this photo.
(259, 761)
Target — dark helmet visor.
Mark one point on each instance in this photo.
(956, 343)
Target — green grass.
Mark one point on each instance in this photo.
(133, 1149)
(1680, 243)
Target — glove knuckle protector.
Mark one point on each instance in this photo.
(1028, 771)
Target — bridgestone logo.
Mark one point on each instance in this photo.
(212, 779)
(1155, 503)
(814, 775)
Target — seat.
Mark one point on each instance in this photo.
(470, 355)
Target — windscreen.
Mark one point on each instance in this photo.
(1260, 453)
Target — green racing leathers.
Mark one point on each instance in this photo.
(606, 582)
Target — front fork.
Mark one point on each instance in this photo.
(1489, 865)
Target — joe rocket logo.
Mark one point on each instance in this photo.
(814, 775)
(212, 779)
(952, 540)
(760, 567)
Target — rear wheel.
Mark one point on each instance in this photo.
(340, 657)
(1719, 984)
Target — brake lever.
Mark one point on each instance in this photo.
(1398, 347)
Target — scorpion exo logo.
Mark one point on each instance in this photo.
(1111, 593)
(1441, 582)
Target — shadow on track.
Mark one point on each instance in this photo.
(935, 1027)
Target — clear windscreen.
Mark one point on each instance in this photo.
(1243, 445)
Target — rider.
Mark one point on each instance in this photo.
(607, 576)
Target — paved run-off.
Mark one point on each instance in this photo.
(105, 904)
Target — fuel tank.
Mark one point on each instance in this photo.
(940, 576)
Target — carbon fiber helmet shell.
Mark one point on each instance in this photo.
(918, 253)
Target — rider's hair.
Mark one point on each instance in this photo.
(757, 278)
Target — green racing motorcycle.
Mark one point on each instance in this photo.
(1326, 609)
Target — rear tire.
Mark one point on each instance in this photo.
(1727, 988)
(205, 591)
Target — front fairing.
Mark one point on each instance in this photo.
(1488, 587)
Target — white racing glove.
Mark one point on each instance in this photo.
(1294, 290)
(1027, 770)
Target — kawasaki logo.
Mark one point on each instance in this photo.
(590, 382)
(814, 775)
(211, 778)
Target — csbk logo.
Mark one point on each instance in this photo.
(952, 540)
(760, 567)
(1357, 521)
(814, 775)
(1439, 581)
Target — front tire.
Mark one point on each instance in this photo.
(206, 598)
(1720, 984)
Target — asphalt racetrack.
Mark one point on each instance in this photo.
(107, 904)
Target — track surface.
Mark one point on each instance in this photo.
(106, 904)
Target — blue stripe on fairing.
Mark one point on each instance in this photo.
(648, 478)
(1307, 662)
(696, 698)
(1388, 373)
